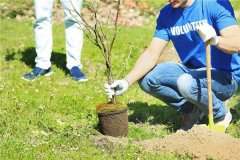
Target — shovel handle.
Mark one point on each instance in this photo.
(209, 85)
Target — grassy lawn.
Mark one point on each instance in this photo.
(55, 118)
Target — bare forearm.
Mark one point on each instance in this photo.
(229, 45)
(143, 65)
(229, 40)
(147, 60)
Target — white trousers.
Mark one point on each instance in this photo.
(43, 32)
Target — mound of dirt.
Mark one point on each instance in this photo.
(199, 143)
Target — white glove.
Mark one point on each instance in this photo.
(116, 88)
(207, 32)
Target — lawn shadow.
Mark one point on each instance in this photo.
(154, 114)
(235, 113)
(235, 110)
(28, 56)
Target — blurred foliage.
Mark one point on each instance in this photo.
(13, 8)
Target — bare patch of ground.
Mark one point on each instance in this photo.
(169, 55)
(108, 142)
(199, 143)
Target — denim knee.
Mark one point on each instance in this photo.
(147, 83)
(144, 85)
(185, 85)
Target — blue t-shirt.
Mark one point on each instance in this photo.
(178, 25)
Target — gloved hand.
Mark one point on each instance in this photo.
(207, 32)
(116, 88)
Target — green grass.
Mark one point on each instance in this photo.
(12, 8)
(55, 118)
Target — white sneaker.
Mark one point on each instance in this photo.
(225, 120)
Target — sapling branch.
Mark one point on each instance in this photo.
(125, 63)
(98, 33)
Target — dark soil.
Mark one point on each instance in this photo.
(113, 119)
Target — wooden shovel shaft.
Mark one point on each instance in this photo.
(209, 84)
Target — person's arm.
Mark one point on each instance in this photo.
(229, 39)
(222, 15)
(147, 60)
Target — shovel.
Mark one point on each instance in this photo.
(211, 124)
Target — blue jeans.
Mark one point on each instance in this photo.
(182, 87)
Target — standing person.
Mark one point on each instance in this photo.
(44, 40)
(189, 24)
